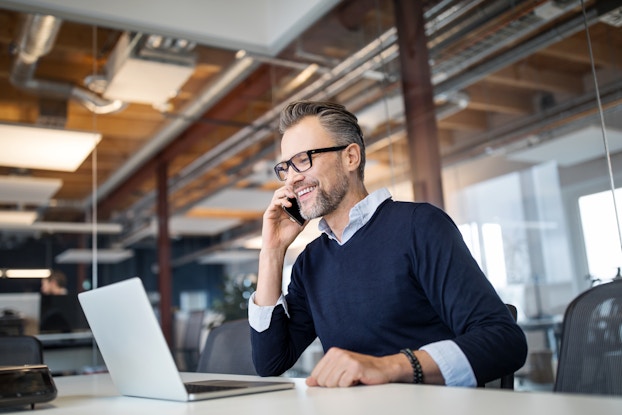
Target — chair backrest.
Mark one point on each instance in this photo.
(590, 356)
(228, 350)
(190, 347)
(507, 381)
(20, 350)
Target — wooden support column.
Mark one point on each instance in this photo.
(165, 284)
(419, 108)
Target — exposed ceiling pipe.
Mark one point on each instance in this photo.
(456, 102)
(445, 13)
(523, 50)
(513, 136)
(461, 19)
(36, 38)
(488, 44)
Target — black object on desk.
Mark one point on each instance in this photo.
(26, 385)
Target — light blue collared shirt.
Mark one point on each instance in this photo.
(450, 359)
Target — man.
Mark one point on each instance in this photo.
(390, 288)
(55, 284)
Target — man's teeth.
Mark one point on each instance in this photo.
(305, 191)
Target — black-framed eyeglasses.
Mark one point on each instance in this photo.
(301, 161)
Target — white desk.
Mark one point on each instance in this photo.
(95, 395)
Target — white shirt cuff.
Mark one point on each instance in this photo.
(452, 362)
(259, 317)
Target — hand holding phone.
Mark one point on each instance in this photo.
(294, 211)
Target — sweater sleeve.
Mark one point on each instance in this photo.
(464, 298)
(278, 347)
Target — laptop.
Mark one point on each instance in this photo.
(136, 354)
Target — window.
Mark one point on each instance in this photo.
(600, 234)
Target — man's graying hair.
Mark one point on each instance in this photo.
(340, 123)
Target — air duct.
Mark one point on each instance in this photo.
(36, 39)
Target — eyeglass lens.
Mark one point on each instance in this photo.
(300, 162)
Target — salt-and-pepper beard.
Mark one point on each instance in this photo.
(325, 202)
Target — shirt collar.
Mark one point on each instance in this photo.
(360, 214)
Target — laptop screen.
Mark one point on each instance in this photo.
(61, 314)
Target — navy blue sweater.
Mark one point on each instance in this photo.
(405, 279)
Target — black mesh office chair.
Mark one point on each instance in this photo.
(20, 350)
(590, 356)
(228, 350)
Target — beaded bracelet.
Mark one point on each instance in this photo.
(414, 362)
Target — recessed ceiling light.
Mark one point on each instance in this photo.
(26, 273)
(28, 190)
(45, 148)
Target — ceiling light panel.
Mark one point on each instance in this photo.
(577, 147)
(17, 217)
(229, 257)
(27, 273)
(138, 73)
(32, 147)
(87, 256)
(179, 225)
(27, 190)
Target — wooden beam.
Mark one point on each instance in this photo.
(526, 76)
(575, 50)
(134, 130)
(467, 120)
(499, 99)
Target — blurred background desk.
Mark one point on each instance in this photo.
(543, 337)
(95, 395)
(550, 326)
(11, 324)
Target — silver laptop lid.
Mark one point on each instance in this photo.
(131, 341)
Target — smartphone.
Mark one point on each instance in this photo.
(294, 211)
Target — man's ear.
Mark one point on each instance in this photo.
(352, 157)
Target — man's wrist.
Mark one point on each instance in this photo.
(417, 370)
(403, 370)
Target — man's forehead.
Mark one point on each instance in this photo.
(306, 135)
